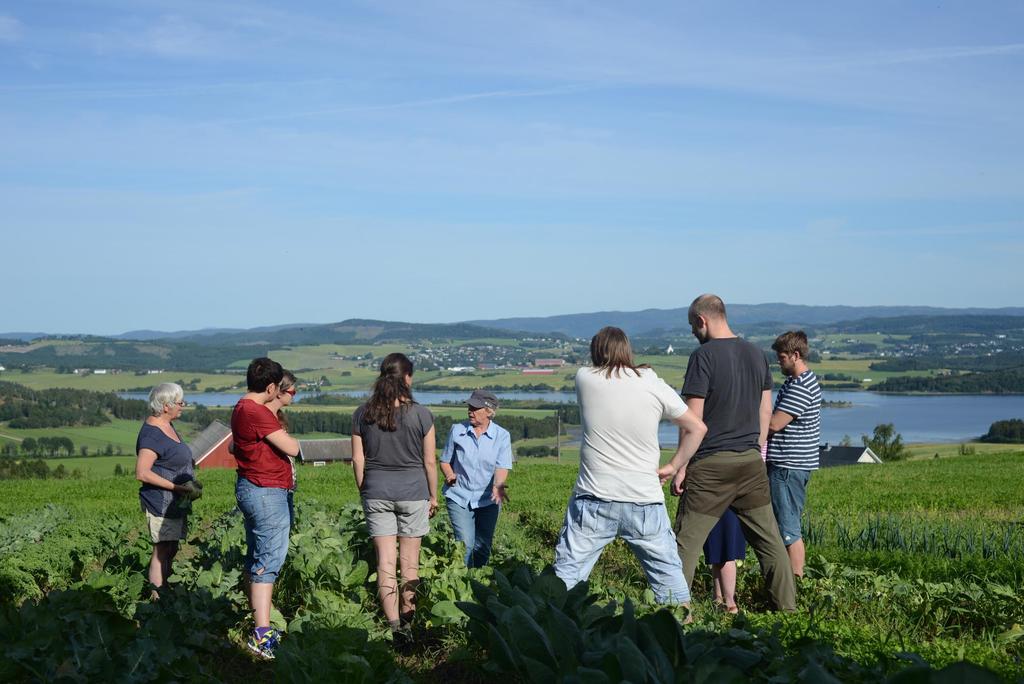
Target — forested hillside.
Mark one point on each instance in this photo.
(22, 407)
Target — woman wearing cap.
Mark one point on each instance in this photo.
(475, 464)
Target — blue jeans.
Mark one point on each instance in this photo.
(591, 524)
(789, 492)
(269, 513)
(474, 527)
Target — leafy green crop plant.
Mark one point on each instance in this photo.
(533, 628)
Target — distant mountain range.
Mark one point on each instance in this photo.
(646, 323)
(212, 332)
(654, 322)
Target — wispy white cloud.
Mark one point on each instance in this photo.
(988, 230)
(10, 29)
(174, 36)
(923, 55)
(413, 104)
(168, 36)
(550, 45)
(148, 89)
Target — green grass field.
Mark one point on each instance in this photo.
(345, 373)
(326, 355)
(451, 411)
(95, 466)
(922, 451)
(118, 382)
(556, 381)
(118, 433)
(920, 556)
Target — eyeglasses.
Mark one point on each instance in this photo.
(181, 403)
(289, 391)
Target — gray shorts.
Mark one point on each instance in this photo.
(387, 518)
(166, 529)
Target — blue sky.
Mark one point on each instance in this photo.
(176, 165)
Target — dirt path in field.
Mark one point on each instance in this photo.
(11, 437)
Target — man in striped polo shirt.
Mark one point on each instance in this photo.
(793, 435)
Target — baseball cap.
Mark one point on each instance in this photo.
(483, 399)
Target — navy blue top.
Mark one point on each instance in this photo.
(173, 462)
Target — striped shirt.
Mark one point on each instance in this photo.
(796, 445)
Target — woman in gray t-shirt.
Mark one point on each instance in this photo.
(396, 472)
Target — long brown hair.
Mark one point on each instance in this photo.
(390, 393)
(610, 351)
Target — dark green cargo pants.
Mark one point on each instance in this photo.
(738, 480)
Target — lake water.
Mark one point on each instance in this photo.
(948, 418)
(425, 397)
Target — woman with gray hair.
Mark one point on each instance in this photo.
(475, 462)
(163, 465)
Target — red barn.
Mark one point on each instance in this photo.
(210, 447)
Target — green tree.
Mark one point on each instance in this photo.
(1006, 432)
(886, 443)
(84, 450)
(29, 445)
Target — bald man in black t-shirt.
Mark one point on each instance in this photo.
(729, 386)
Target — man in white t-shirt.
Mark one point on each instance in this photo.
(619, 489)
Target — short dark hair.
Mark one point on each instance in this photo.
(790, 342)
(707, 306)
(262, 373)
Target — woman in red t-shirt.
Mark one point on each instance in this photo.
(264, 492)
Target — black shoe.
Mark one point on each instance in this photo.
(402, 639)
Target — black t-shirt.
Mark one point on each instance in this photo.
(394, 460)
(730, 374)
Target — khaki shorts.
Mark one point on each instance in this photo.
(387, 518)
(166, 529)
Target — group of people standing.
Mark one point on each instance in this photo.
(729, 430)
(726, 423)
(395, 467)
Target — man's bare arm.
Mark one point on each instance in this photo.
(779, 420)
(766, 415)
(696, 406)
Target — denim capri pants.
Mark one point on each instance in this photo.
(269, 513)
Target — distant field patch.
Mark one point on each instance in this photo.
(96, 466)
(117, 433)
(857, 369)
(326, 356)
(119, 382)
(946, 450)
(670, 368)
(508, 379)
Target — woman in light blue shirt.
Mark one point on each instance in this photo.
(475, 464)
